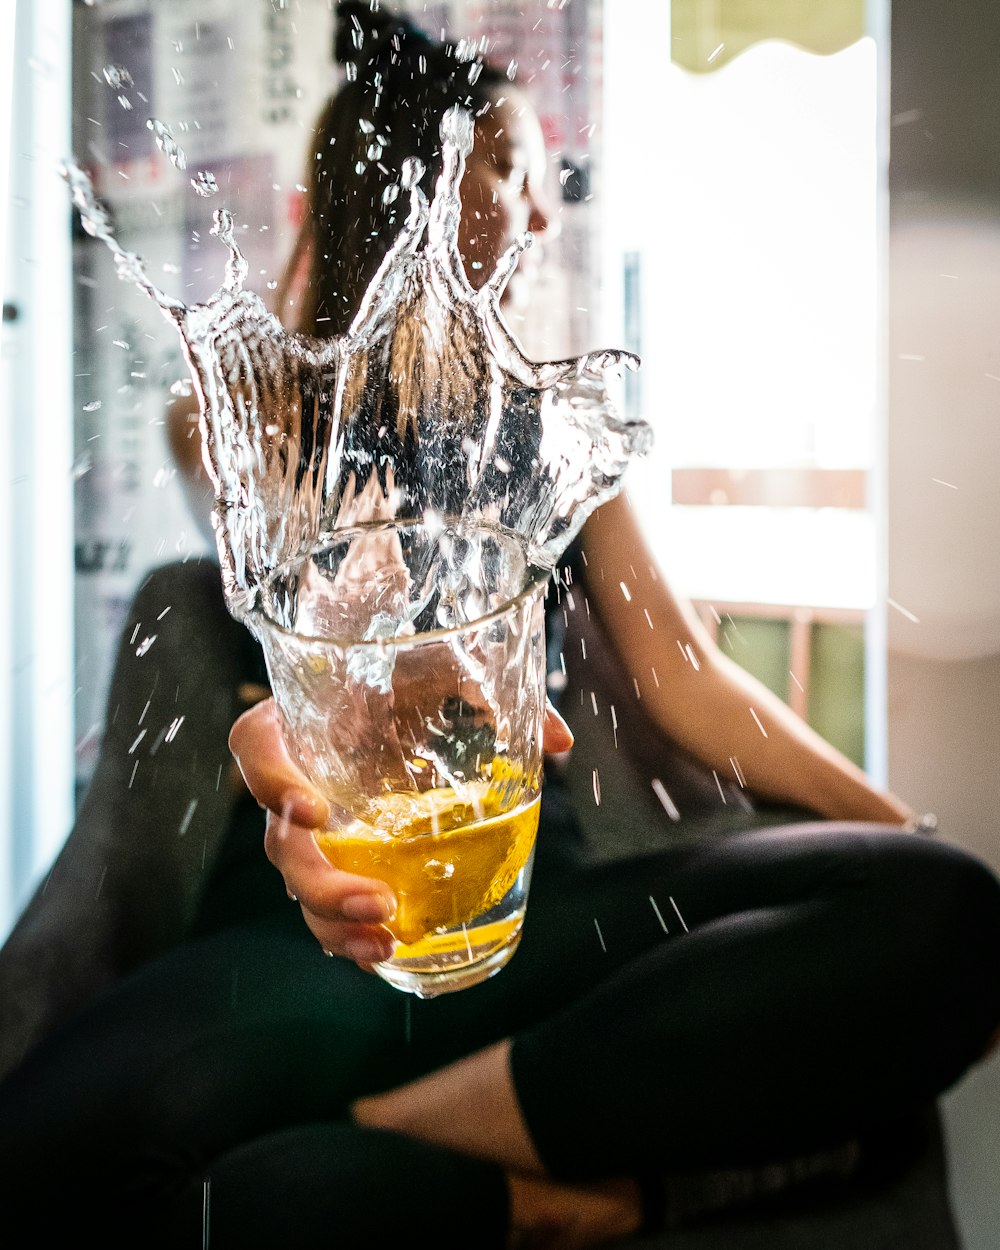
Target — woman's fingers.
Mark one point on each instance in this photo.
(556, 735)
(274, 780)
(347, 914)
(311, 878)
(363, 944)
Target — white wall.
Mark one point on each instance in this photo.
(944, 514)
(944, 502)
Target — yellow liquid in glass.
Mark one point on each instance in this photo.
(448, 858)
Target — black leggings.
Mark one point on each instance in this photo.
(719, 1004)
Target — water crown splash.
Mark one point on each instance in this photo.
(426, 410)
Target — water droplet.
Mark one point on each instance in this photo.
(204, 182)
(93, 406)
(166, 142)
(118, 76)
(436, 870)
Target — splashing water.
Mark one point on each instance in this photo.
(118, 76)
(167, 144)
(204, 183)
(426, 410)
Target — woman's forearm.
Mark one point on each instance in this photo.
(779, 756)
(703, 700)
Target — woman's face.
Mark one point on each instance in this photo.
(503, 196)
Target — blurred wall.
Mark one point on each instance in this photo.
(944, 417)
(944, 503)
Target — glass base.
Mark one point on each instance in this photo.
(453, 961)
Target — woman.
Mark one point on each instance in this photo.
(774, 989)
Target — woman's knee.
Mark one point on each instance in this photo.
(934, 911)
(942, 888)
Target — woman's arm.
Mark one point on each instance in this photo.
(703, 700)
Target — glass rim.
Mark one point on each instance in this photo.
(508, 607)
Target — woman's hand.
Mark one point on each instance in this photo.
(347, 914)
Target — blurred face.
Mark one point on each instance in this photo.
(503, 196)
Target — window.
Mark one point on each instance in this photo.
(743, 204)
(748, 278)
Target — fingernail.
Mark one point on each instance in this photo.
(373, 908)
(363, 951)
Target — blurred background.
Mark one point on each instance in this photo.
(791, 211)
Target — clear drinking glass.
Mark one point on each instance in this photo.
(408, 662)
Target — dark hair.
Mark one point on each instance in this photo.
(400, 83)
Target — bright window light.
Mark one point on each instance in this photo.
(755, 265)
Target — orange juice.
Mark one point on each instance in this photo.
(449, 857)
